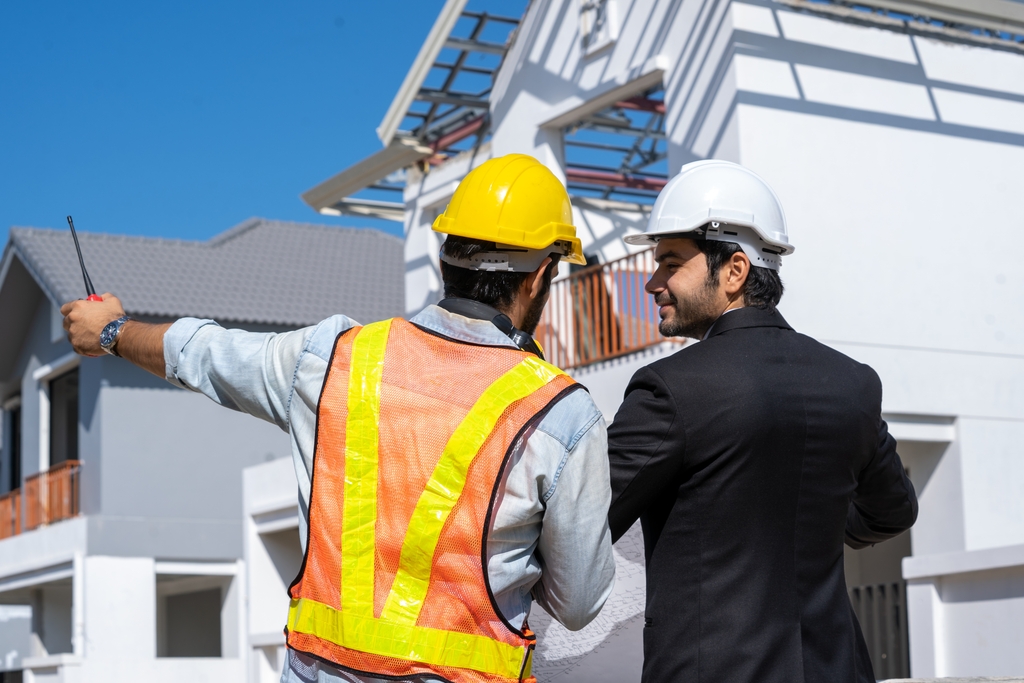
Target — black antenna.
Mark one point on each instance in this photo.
(89, 289)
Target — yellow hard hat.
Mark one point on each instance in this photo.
(515, 202)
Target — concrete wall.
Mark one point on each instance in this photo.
(966, 612)
(169, 476)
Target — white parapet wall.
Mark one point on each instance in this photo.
(273, 555)
(966, 612)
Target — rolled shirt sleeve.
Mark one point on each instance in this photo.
(246, 371)
(575, 542)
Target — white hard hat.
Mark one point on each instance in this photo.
(724, 202)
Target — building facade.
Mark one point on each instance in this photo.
(893, 131)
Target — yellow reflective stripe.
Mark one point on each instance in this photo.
(444, 488)
(360, 502)
(404, 641)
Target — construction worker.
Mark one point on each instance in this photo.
(750, 457)
(447, 474)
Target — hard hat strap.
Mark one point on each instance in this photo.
(481, 311)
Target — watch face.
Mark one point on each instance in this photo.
(109, 334)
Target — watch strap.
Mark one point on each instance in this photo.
(118, 325)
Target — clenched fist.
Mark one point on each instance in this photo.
(84, 320)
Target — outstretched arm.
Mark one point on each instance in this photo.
(140, 343)
(251, 372)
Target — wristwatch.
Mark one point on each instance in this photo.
(110, 333)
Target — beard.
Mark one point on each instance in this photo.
(533, 314)
(692, 314)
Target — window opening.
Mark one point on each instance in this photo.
(64, 418)
(192, 623)
(598, 24)
(193, 615)
(620, 153)
(14, 457)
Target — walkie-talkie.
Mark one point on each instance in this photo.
(89, 289)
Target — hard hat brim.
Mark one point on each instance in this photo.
(649, 238)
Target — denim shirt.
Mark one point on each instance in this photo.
(549, 539)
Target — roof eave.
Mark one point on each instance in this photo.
(400, 153)
(11, 251)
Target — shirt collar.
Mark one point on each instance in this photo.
(461, 328)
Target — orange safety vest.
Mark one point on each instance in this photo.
(413, 435)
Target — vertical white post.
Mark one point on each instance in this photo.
(44, 425)
(925, 629)
(78, 605)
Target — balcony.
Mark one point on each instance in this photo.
(48, 497)
(10, 514)
(600, 312)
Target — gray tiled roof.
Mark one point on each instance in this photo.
(260, 272)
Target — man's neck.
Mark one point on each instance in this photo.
(734, 306)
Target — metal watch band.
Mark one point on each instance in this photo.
(111, 334)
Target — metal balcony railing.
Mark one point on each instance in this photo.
(10, 514)
(600, 312)
(52, 495)
(881, 610)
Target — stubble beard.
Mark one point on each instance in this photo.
(691, 316)
(533, 315)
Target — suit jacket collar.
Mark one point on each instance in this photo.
(747, 317)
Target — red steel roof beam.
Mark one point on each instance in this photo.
(461, 133)
(581, 175)
(642, 104)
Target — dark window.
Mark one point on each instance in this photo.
(193, 624)
(64, 418)
(14, 417)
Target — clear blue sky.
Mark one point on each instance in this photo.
(182, 119)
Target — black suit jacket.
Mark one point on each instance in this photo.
(749, 458)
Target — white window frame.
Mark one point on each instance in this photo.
(599, 25)
(42, 377)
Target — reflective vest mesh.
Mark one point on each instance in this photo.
(410, 418)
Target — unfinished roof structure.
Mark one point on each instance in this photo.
(441, 108)
(617, 152)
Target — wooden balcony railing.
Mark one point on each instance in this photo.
(10, 514)
(52, 495)
(600, 312)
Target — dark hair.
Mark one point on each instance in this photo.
(494, 288)
(763, 288)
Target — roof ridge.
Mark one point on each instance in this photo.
(235, 231)
(106, 235)
(251, 223)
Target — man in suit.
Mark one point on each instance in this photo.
(749, 458)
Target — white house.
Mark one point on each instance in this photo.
(893, 131)
(121, 541)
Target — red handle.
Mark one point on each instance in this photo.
(94, 297)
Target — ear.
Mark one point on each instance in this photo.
(535, 283)
(734, 273)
